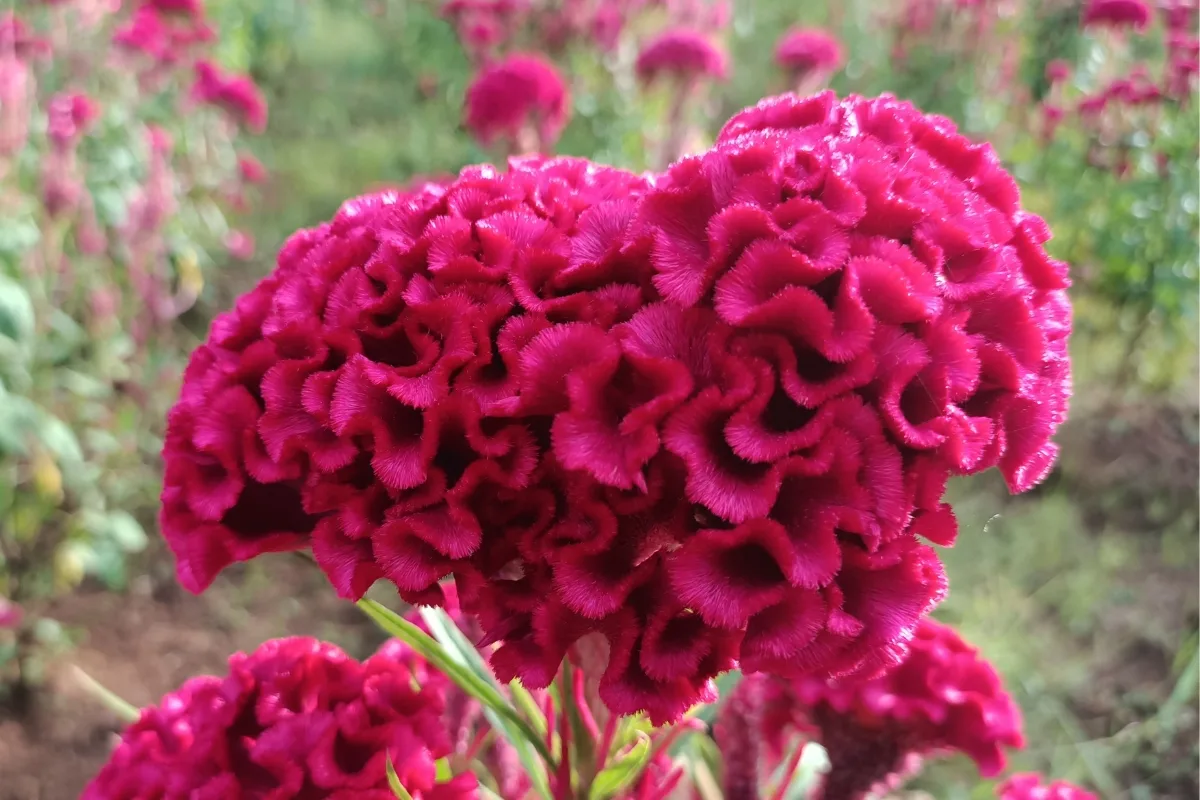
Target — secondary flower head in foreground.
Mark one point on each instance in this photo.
(236, 94)
(942, 698)
(295, 718)
(706, 416)
(806, 49)
(521, 93)
(1029, 786)
(1117, 13)
(682, 54)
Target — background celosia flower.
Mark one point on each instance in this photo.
(1058, 71)
(16, 39)
(943, 697)
(251, 169)
(295, 718)
(1029, 786)
(10, 614)
(806, 49)
(1117, 13)
(69, 116)
(683, 54)
(165, 39)
(236, 94)
(708, 419)
(520, 93)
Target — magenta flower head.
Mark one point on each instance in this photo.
(295, 718)
(522, 93)
(69, 116)
(10, 615)
(805, 50)
(682, 54)
(251, 169)
(941, 698)
(237, 95)
(1117, 14)
(1058, 71)
(1029, 786)
(705, 417)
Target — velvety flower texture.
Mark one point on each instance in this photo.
(522, 92)
(1029, 786)
(1117, 13)
(806, 49)
(296, 718)
(705, 415)
(942, 698)
(236, 94)
(683, 54)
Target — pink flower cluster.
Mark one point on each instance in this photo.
(805, 50)
(295, 718)
(1029, 786)
(706, 414)
(1117, 14)
(682, 54)
(522, 93)
(164, 35)
(236, 94)
(941, 698)
(70, 115)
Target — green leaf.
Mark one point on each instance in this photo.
(459, 648)
(16, 311)
(394, 781)
(621, 774)
(498, 709)
(124, 710)
(126, 532)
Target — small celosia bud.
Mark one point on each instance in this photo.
(805, 50)
(521, 93)
(683, 54)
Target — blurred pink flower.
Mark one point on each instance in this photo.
(164, 40)
(16, 90)
(1117, 14)
(240, 245)
(681, 53)
(251, 169)
(236, 94)
(159, 140)
(10, 614)
(509, 97)
(18, 40)
(803, 50)
(70, 114)
(1058, 71)
(1029, 786)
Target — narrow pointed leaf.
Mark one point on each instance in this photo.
(620, 775)
(394, 781)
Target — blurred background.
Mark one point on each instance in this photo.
(154, 155)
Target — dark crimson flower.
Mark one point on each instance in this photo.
(707, 419)
(69, 115)
(941, 698)
(1058, 71)
(521, 93)
(683, 54)
(237, 95)
(803, 50)
(1029, 786)
(1117, 14)
(295, 718)
(251, 169)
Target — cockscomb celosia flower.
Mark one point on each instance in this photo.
(1058, 71)
(1117, 14)
(943, 697)
(164, 39)
(69, 115)
(16, 39)
(251, 169)
(806, 49)
(1029, 786)
(683, 54)
(520, 93)
(237, 95)
(707, 419)
(295, 718)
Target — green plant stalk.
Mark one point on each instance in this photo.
(429, 649)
